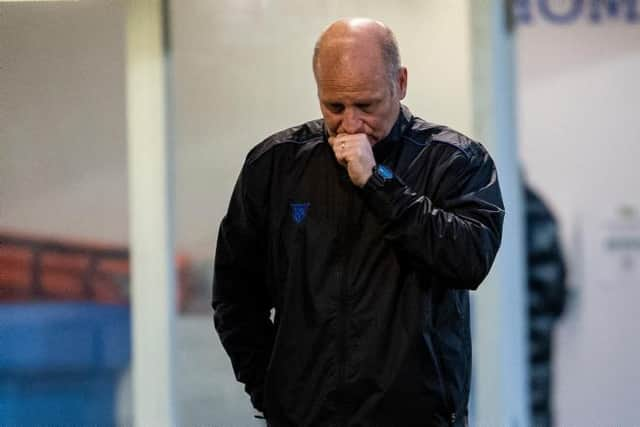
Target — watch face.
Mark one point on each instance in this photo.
(385, 172)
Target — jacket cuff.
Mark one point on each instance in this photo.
(257, 396)
(383, 198)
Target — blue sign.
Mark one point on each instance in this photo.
(568, 11)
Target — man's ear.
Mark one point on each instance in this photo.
(402, 82)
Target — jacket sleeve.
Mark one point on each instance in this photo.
(455, 233)
(240, 299)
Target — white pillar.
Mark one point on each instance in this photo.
(500, 394)
(150, 215)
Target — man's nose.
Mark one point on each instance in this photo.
(351, 121)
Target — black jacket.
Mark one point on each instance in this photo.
(369, 286)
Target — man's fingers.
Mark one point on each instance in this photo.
(339, 149)
(347, 148)
(341, 156)
(337, 143)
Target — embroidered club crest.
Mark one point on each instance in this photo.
(299, 211)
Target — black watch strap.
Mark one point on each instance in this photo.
(380, 174)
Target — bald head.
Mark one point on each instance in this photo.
(348, 39)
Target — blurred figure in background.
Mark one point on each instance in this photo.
(547, 296)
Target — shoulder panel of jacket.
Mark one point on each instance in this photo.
(302, 134)
(459, 141)
(422, 134)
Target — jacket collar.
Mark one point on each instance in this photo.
(383, 147)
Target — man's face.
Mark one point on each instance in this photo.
(357, 95)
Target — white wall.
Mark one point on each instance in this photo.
(579, 107)
(62, 119)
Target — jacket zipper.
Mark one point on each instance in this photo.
(341, 276)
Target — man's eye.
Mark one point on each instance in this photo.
(336, 108)
(364, 107)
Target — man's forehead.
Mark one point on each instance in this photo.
(352, 88)
(333, 92)
(349, 47)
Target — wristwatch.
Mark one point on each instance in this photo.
(380, 174)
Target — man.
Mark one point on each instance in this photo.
(364, 231)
